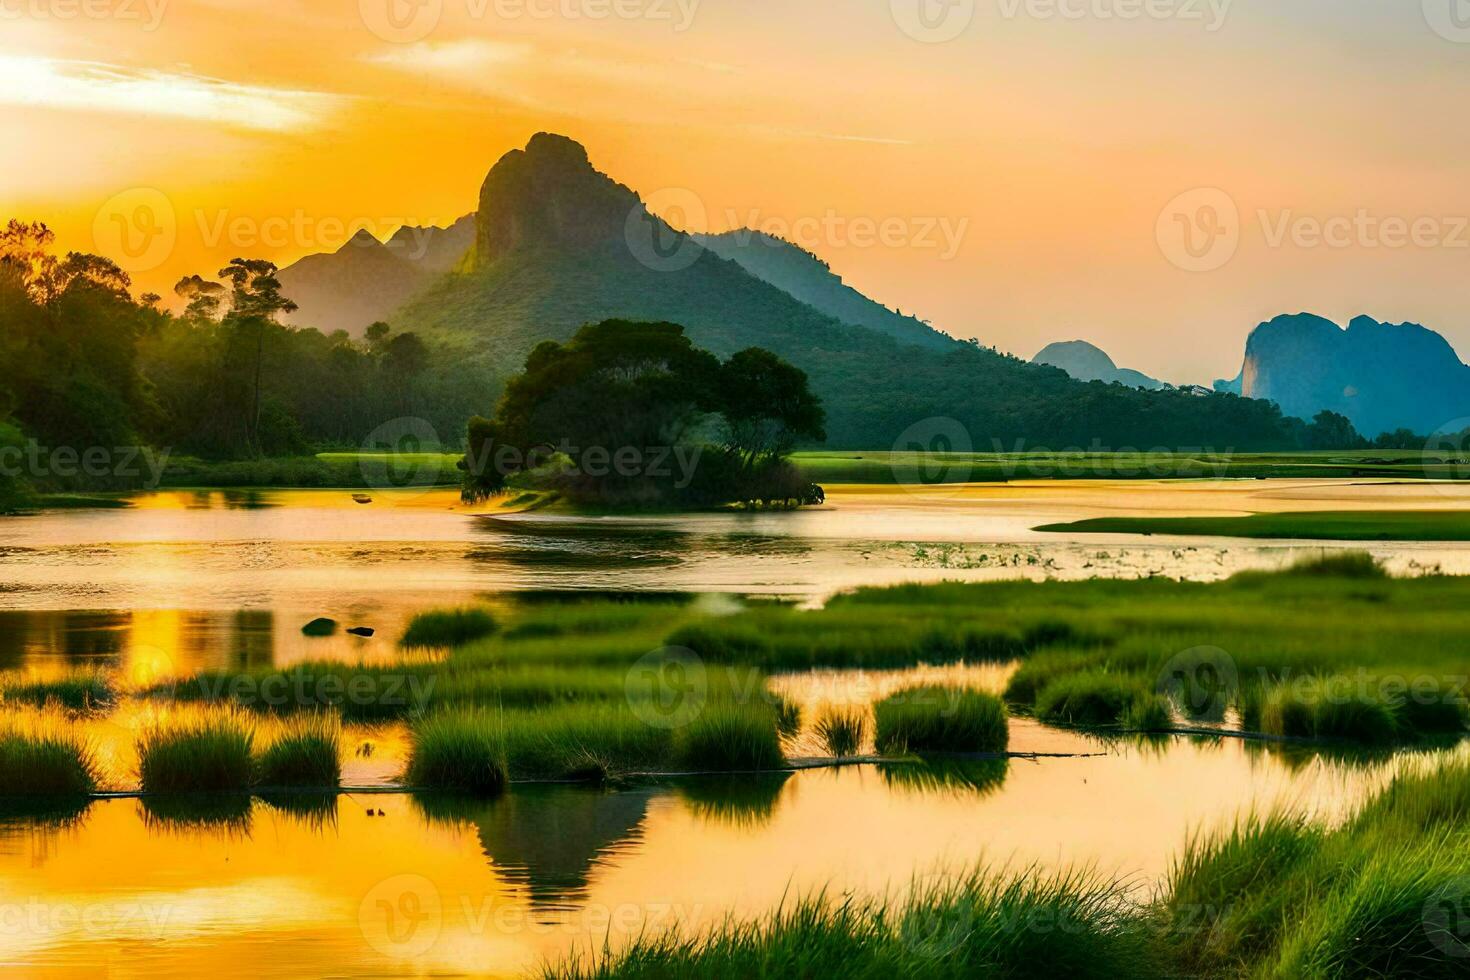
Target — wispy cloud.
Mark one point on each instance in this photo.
(96, 87)
(462, 59)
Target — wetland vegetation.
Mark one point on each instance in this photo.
(1277, 895)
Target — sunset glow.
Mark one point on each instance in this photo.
(1056, 139)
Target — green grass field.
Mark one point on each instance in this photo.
(990, 467)
(1387, 525)
(376, 470)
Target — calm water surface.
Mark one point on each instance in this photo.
(373, 885)
(226, 579)
(434, 887)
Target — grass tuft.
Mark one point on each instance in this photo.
(83, 690)
(842, 730)
(1094, 698)
(933, 718)
(196, 752)
(730, 738)
(1027, 925)
(461, 751)
(1148, 713)
(305, 753)
(41, 757)
(448, 628)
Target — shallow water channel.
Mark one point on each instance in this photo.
(378, 883)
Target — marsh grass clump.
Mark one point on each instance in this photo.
(41, 757)
(448, 628)
(306, 752)
(1230, 893)
(461, 751)
(82, 690)
(971, 925)
(196, 752)
(1399, 915)
(1094, 698)
(1380, 895)
(1345, 564)
(358, 692)
(934, 718)
(1150, 713)
(584, 742)
(730, 738)
(1421, 797)
(842, 730)
(1340, 707)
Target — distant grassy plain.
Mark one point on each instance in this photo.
(1367, 525)
(359, 470)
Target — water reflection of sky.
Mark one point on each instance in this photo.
(268, 889)
(226, 578)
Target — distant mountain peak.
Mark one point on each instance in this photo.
(563, 150)
(549, 195)
(1088, 362)
(361, 239)
(1383, 376)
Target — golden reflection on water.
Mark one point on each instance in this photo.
(492, 888)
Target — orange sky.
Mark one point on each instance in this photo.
(1024, 169)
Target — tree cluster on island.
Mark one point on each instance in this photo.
(633, 414)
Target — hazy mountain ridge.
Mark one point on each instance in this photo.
(803, 275)
(1087, 362)
(559, 244)
(1382, 376)
(366, 280)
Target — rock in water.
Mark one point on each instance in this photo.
(320, 627)
(362, 631)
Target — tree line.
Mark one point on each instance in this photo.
(86, 365)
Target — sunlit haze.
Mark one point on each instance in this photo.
(1010, 183)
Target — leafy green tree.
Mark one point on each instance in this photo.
(621, 394)
(255, 302)
(1330, 430)
(768, 406)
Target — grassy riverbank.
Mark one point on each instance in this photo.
(1405, 525)
(989, 467)
(366, 471)
(1278, 895)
